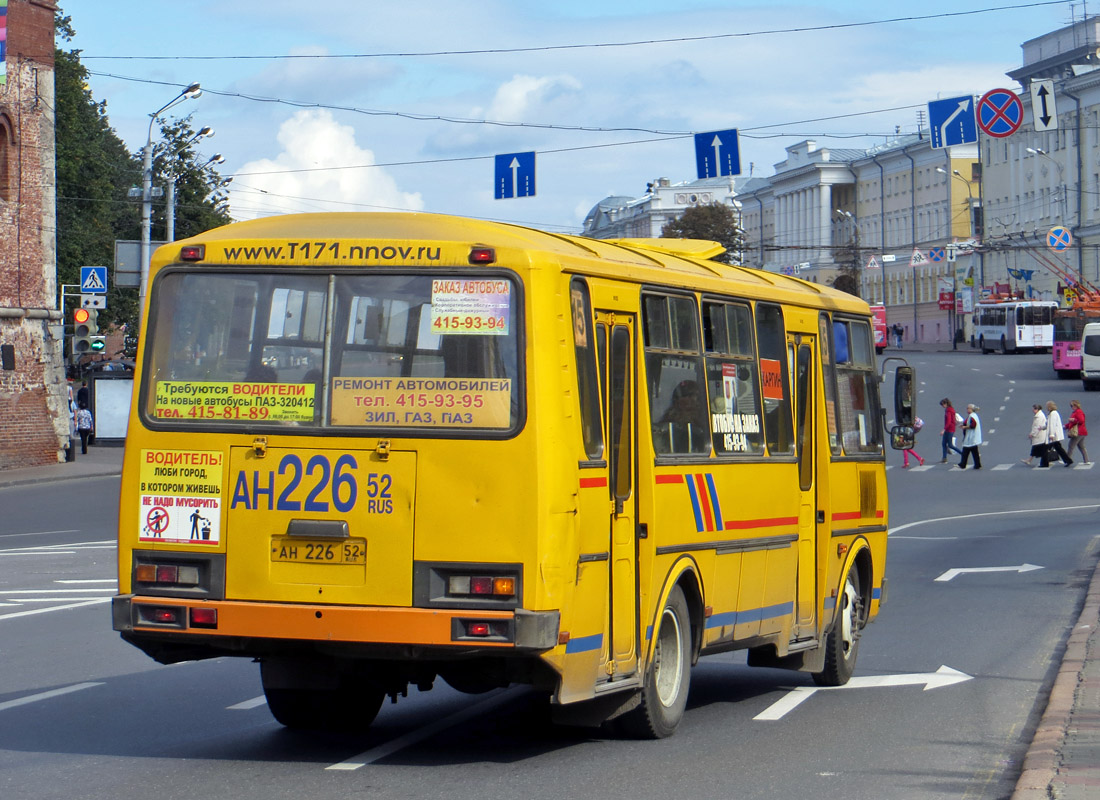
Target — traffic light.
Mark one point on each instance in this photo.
(82, 331)
(86, 338)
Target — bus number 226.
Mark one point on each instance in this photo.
(326, 487)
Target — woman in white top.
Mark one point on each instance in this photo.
(972, 437)
(1055, 433)
(1038, 437)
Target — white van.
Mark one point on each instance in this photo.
(1090, 357)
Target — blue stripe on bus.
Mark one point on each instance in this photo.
(583, 644)
(695, 503)
(750, 615)
(714, 502)
(876, 593)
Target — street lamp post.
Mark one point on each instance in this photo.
(147, 190)
(170, 207)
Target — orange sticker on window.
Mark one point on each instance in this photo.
(771, 379)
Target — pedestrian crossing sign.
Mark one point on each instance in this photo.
(93, 280)
(918, 259)
(872, 263)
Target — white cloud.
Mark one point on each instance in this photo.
(320, 168)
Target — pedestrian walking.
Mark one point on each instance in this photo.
(1040, 446)
(1076, 431)
(918, 423)
(897, 335)
(951, 420)
(83, 426)
(972, 437)
(1056, 434)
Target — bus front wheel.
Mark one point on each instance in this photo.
(664, 696)
(842, 643)
(342, 703)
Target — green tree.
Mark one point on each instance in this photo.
(714, 222)
(95, 171)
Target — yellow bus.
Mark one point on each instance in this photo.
(373, 450)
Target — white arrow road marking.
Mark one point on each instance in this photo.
(944, 676)
(34, 698)
(951, 573)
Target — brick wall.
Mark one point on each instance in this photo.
(34, 417)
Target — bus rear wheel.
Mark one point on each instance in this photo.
(981, 344)
(842, 643)
(345, 703)
(664, 696)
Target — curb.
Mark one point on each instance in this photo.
(1042, 777)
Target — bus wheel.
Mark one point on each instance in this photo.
(842, 643)
(351, 705)
(665, 693)
(981, 344)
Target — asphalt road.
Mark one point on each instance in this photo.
(83, 715)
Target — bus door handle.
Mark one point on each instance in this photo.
(820, 517)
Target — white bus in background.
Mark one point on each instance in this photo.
(1014, 326)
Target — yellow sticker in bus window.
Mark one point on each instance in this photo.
(181, 496)
(235, 400)
(478, 307)
(423, 402)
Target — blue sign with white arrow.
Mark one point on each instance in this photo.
(93, 280)
(514, 175)
(716, 154)
(952, 121)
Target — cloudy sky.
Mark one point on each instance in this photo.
(378, 105)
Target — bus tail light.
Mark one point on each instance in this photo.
(482, 255)
(204, 617)
(167, 574)
(485, 629)
(193, 252)
(481, 586)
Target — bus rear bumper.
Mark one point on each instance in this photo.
(167, 618)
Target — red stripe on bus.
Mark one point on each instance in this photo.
(669, 479)
(591, 483)
(739, 524)
(704, 502)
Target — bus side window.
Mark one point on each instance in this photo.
(828, 372)
(732, 379)
(588, 388)
(857, 389)
(675, 377)
(775, 379)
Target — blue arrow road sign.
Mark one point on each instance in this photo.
(93, 280)
(952, 121)
(514, 175)
(716, 154)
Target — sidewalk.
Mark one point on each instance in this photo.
(101, 460)
(1062, 763)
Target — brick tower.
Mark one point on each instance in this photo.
(34, 413)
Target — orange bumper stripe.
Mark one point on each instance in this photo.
(329, 623)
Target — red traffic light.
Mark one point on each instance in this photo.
(81, 315)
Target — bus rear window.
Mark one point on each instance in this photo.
(364, 351)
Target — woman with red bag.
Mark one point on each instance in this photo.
(1076, 431)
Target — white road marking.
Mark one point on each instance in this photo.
(412, 737)
(48, 591)
(34, 698)
(38, 533)
(255, 702)
(944, 676)
(15, 614)
(89, 580)
(957, 517)
(954, 573)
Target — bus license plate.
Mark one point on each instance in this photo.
(313, 551)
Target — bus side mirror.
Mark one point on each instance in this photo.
(905, 410)
(903, 437)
